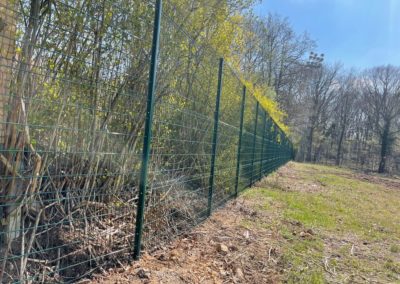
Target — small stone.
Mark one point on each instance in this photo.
(239, 273)
(174, 255)
(120, 269)
(223, 249)
(143, 273)
(305, 235)
(233, 247)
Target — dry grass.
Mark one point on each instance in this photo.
(303, 224)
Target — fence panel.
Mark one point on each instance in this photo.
(75, 83)
(73, 123)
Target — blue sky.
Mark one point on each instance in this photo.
(358, 33)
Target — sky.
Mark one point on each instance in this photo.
(357, 33)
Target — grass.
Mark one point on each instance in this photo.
(336, 225)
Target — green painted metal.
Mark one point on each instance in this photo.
(274, 148)
(215, 136)
(159, 178)
(240, 141)
(254, 144)
(263, 142)
(147, 130)
(270, 144)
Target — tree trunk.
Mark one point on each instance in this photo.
(384, 148)
(339, 150)
(310, 143)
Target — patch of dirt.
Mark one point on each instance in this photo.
(287, 178)
(221, 250)
(392, 182)
(293, 181)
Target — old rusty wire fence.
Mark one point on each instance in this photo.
(120, 129)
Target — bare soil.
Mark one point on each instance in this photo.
(221, 250)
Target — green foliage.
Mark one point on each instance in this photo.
(78, 107)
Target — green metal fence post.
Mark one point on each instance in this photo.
(215, 136)
(270, 156)
(267, 145)
(254, 144)
(240, 141)
(274, 147)
(262, 145)
(147, 130)
(293, 157)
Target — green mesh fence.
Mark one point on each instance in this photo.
(102, 156)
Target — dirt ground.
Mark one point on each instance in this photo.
(221, 250)
(293, 227)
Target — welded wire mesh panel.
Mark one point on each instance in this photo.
(264, 146)
(358, 153)
(228, 137)
(258, 145)
(249, 141)
(74, 79)
(273, 152)
(179, 171)
(261, 151)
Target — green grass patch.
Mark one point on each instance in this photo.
(355, 215)
(395, 248)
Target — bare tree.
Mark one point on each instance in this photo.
(274, 51)
(381, 93)
(320, 94)
(346, 98)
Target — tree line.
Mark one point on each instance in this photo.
(335, 115)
